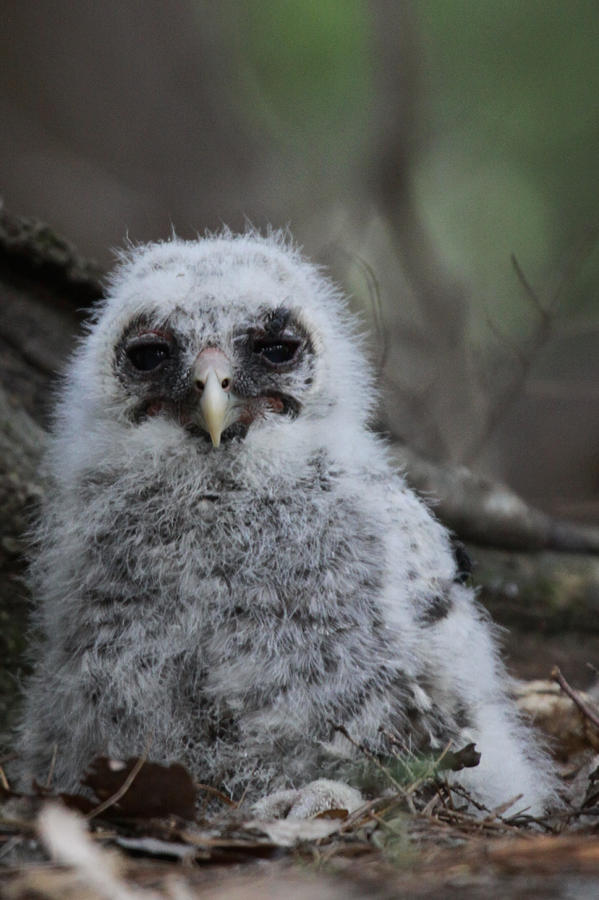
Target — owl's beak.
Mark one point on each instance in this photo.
(212, 373)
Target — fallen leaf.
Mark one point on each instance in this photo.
(157, 791)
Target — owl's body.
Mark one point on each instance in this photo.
(227, 593)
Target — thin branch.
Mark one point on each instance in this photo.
(371, 758)
(455, 788)
(406, 793)
(498, 811)
(528, 289)
(364, 810)
(536, 342)
(489, 513)
(526, 359)
(244, 794)
(586, 710)
(216, 793)
(110, 801)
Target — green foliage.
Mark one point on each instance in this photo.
(396, 773)
(508, 158)
(308, 71)
(512, 97)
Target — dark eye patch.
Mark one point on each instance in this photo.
(276, 351)
(148, 354)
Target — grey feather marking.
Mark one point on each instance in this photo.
(232, 603)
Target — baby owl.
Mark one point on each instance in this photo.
(227, 565)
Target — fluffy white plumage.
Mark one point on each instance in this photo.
(232, 602)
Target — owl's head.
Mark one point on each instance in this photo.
(225, 340)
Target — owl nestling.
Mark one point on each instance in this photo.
(227, 563)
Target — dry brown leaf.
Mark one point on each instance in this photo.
(156, 792)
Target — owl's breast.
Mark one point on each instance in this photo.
(167, 539)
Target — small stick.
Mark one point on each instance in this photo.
(239, 803)
(498, 811)
(430, 806)
(212, 790)
(386, 825)
(405, 793)
(110, 801)
(386, 803)
(4, 780)
(457, 789)
(590, 714)
(370, 757)
(244, 794)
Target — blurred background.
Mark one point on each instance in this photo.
(440, 157)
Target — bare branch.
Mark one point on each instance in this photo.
(489, 513)
(529, 290)
(541, 335)
(585, 709)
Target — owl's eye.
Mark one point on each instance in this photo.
(148, 355)
(276, 351)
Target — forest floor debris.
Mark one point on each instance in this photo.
(137, 834)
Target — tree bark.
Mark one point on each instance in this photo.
(43, 285)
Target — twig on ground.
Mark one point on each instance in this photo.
(467, 821)
(498, 811)
(461, 792)
(110, 801)
(427, 812)
(372, 758)
(216, 793)
(586, 710)
(405, 793)
(366, 810)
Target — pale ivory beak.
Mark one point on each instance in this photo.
(212, 376)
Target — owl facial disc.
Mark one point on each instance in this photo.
(212, 374)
